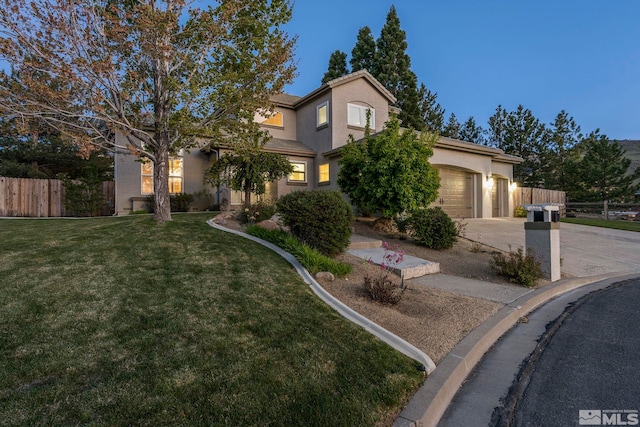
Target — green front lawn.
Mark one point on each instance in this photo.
(617, 224)
(119, 321)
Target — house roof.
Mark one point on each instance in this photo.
(285, 99)
(288, 146)
(457, 145)
(293, 101)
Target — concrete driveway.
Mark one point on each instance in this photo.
(584, 250)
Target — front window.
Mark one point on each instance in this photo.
(299, 173)
(322, 114)
(323, 173)
(175, 176)
(357, 116)
(275, 120)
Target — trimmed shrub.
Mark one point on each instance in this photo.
(83, 197)
(180, 202)
(432, 228)
(311, 259)
(321, 219)
(518, 267)
(520, 212)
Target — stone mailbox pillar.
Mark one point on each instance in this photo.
(542, 236)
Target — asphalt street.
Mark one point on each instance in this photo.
(590, 368)
(577, 355)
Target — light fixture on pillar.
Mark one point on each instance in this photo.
(489, 181)
(513, 186)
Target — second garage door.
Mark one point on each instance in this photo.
(456, 193)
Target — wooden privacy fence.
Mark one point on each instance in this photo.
(42, 197)
(530, 196)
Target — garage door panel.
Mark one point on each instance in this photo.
(456, 193)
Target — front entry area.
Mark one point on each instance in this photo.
(456, 193)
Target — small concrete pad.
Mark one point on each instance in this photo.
(497, 292)
(409, 268)
(362, 242)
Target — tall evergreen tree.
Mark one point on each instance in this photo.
(520, 134)
(560, 156)
(471, 132)
(604, 171)
(452, 128)
(497, 127)
(392, 68)
(32, 149)
(431, 113)
(337, 66)
(363, 53)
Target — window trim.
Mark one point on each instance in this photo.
(305, 172)
(325, 104)
(362, 110)
(328, 173)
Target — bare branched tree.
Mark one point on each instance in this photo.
(160, 72)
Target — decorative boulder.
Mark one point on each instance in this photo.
(325, 275)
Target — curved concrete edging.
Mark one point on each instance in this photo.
(432, 399)
(393, 340)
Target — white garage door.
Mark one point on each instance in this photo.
(456, 193)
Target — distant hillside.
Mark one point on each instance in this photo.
(633, 152)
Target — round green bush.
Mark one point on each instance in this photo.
(432, 228)
(320, 218)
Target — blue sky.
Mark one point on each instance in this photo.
(582, 56)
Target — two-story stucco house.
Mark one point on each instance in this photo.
(476, 181)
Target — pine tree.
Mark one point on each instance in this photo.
(559, 158)
(471, 132)
(392, 68)
(520, 134)
(337, 66)
(604, 171)
(363, 53)
(452, 128)
(432, 114)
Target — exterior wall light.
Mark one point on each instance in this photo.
(489, 181)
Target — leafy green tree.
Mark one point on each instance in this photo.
(471, 132)
(363, 53)
(159, 72)
(604, 171)
(452, 128)
(248, 172)
(392, 68)
(520, 134)
(432, 114)
(560, 157)
(390, 172)
(337, 66)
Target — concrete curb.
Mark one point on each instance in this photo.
(432, 399)
(393, 340)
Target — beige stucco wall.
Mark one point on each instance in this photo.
(359, 92)
(129, 181)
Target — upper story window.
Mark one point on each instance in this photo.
(175, 176)
(323, 173)
(357, 116)
(299, 173)
(322, 114)
(275, 120)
